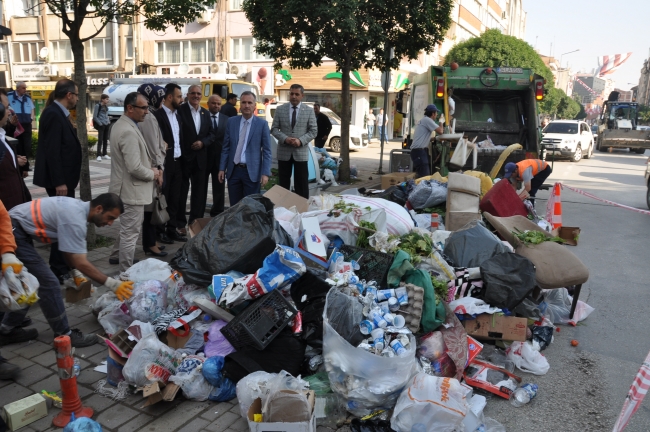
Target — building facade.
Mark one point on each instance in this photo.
(643, 90)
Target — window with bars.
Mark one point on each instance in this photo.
(242, 49)
(188, 51)
(98, 49)
(60, 51)
(26, 52)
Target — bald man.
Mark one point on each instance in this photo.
(219, 121)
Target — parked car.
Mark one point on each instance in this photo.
(571, 139)
(358, 136)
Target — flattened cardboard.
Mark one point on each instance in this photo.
(393, 179)
(197, 226)
(281, 197)
(73, 296)
(497, 327)
(158, 391)
(24, 411)
(256, 408)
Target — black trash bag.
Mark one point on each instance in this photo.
(358, 425)
(345, 312)
(472, 244)
(543, 335)
(508, 278)
(309, 294)
(237, 239)
(529, 309)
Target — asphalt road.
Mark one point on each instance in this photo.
(586, 386)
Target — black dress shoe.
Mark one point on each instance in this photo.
(26, 322)
(114, 261)
(158, 254)
(177, 237)
(162, 247)
(164, 238)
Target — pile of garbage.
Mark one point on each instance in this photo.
(359, 310)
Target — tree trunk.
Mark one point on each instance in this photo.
(82, 129)
(344, 168)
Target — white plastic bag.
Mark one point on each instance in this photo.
(527, 359)
(251, 387)
(149, 300)
(289, 219)
(461, 152)
(150, 361)
(17, 291)
(149, 269)
(472, 306)
(430, 403)
(558, 307)
(190, 378)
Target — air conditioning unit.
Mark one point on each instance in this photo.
(219, 68)
(51, 70)
(184, 68)
(239, 70)
(205, 17)
(165, 70)
(200, 70)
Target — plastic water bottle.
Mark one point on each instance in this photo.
(523, 395)
(76, 367)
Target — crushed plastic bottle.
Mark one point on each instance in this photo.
(523, 395)
(76, 367)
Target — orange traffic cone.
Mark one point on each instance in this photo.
(556, 220)
(71, 400)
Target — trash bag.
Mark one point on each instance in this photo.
(150, 361)
(251, 387)
(472, 244)
(83, 424)
(115, 317)
(217, 344)
(543, 335)
(212, 369)
(319, 383)
(17, 291)
(429, 401)
(358, 425)
(345, 312)
(227, 391)
(190, 379)
(309, 294)
(365, 380)
(149, 300)
(149, 269)
(508, 279)
(527, 359)
(237, 239)
(557, 307)
(428, 193)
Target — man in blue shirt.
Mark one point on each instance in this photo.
(23, 106)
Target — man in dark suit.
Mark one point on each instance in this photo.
(228, 109)
(13, 190)
(197, 139)
(246, 155)
(324, 127)
(58, 157)
(172, 132)
(219, 122)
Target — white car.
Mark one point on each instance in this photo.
(358, 136)
(571, 139)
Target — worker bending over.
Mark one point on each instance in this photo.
(531, 172)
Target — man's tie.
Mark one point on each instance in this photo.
(293, 117)
(215, 123)
(240, 144)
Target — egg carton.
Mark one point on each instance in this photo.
(413, 312)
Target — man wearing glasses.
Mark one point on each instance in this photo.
(132, 177)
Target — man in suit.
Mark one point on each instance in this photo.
(219, 122)
(228, 109)
(170, 126)
(58, 156)
(13, 190)
(324, 126)
(294, 126)
(132, 176)
(197, 139)
(246, 155)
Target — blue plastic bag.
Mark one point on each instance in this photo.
(212, 368)
(282, 267)
(225, 392)
(83, 424)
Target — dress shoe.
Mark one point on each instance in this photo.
(177, 237)
(114, 261)
(162, 247)
(164, 238)
(80, 340)
(158, 254)
(17, 335)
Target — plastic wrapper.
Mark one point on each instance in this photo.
(527, 359)
(289, 219)
(472, 306)
(17, 291)
(433, 349)
(190, 379)
(429, 401)
(149, 300)
(176, 293)
(428, 193)
(150, 361)
(366, 381)
(472, 244)
(557, 307)
(107, 299)
(508, 279)
(319, 383)
(251, 387)
(237, 239)
(149, 269)
(115, 317)
(217, 344)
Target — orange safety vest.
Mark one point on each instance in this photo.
(537, 165)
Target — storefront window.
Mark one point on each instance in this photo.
(327, 100)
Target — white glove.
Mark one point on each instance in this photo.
(10, 260)
(123, 289)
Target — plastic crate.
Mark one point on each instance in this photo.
(373, 265)
(260, 322)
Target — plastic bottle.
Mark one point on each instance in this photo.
(523, 395)
(76, 367)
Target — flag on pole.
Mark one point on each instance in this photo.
(635, 396)
(609, 63)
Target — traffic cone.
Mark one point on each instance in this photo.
(556, 220)
(71, 401)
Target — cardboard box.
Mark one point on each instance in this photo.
(25, 411)
(197, 226)
(393, 179)
(73, 296)
(313, 239)
(281, 197)
(177, 342)
(256, 408)
(569, 235)
(497, 327)
(158, 391)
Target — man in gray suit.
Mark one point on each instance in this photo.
(294, 126)
(219, 121)
(132, 176)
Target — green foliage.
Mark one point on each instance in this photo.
(568, 108)
(557, 103)
(362, 238)
(582, 114)
(495, 49)
(416, 245)
(529, 237)
(644, 114)
(91, 142)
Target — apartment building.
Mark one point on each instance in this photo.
(643, 89)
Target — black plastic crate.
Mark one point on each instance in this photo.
(260, 322)
(373, 265)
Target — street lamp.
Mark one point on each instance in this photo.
(570, 52)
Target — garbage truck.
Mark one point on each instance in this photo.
(497, 106)
(618, 127)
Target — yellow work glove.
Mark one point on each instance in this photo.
(10, 260)
(123, 289)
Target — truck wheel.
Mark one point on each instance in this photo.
(577, 155)
(590, 152)
(639, 151)
(600, 146)
(335, 144)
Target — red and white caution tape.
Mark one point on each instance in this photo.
(587, 194)
(635, 396)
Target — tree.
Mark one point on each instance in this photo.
(582, 114)
(155, 14)
(495, 49)
(567, 108)
(355, 34)
(551, 101)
